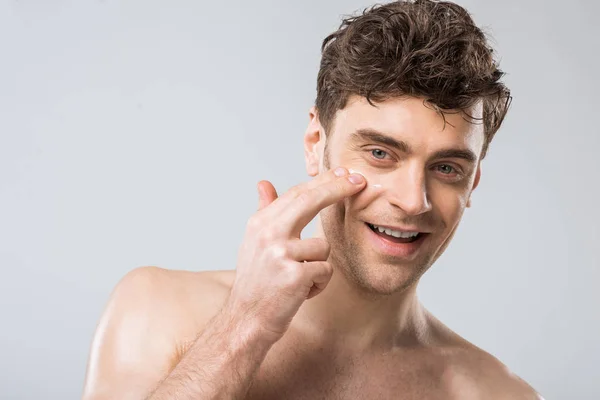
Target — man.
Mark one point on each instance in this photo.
(408, 99)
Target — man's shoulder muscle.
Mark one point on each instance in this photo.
(477, 374)
(152, 315)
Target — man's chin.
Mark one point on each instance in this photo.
(382, 278)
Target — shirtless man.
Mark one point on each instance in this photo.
(335, 316)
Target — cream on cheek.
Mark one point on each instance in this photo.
(451, 202)
(373, 188)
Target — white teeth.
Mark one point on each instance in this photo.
(398, 234)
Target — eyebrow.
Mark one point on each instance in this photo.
(372, 135)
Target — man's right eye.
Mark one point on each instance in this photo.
(378, 154)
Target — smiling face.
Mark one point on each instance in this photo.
(420, 173)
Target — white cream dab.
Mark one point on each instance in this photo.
(374, 185)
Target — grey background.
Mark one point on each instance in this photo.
(133, 133)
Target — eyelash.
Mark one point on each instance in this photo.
(437, 166)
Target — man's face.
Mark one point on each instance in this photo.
(420, 174)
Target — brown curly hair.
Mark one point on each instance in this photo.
(420, 48)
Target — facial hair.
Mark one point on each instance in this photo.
(373, 275)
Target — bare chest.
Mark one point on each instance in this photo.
(298, 374)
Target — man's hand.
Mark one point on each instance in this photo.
(276, 273)
(276, 270)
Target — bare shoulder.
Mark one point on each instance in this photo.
(152, 315)
(180, 298)
(471, 373)
(476, 374)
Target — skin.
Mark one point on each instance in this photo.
(363, 332)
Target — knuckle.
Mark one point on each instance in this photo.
(340, 185)
(273, 233)
(277, 252)
(325, 248)
(306, 198)
(266, 237)
(295, 191)
(292, 273)
(323, 270)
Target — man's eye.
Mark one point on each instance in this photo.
(379, 154)
(446, 169)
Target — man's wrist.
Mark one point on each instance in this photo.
(243, 334)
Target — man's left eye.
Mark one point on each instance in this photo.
(446, 169)
(379, 154)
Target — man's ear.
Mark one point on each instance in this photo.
(475, 183)
(313, 143)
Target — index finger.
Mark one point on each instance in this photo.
(308, 204)
(281, 203)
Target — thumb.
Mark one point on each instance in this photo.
(266, 194)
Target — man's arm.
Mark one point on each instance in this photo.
(136, 341)
(276, 273)
(221, 363)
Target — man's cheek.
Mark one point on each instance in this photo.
(359, 201)
(372, 189)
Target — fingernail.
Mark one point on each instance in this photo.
(340, 171)
(356, 179)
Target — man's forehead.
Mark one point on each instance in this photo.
(409, 117)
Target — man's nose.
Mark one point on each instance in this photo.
(407, 190)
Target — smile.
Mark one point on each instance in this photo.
(407, 236)
(404, 236)
(396, 241)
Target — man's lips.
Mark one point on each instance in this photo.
(395, 246)
(407, 229)
(396, 236)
